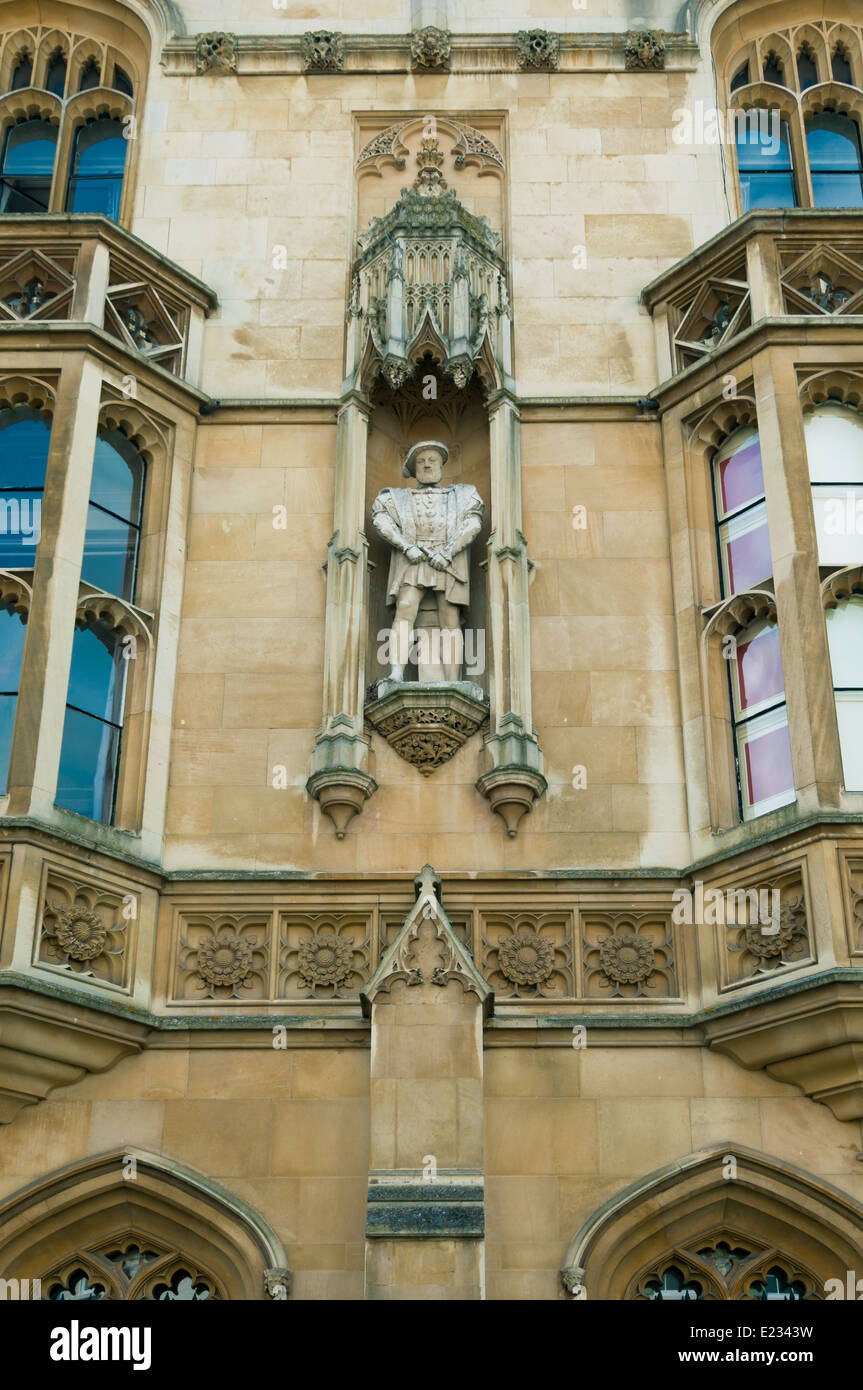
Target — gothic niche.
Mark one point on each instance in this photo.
(429, 311)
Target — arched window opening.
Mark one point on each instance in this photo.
(807, 67)
(11, 653)
(96, 182)
(122, 82)
(765, 775)
(22, 73)
(741, 77)
(90, 753)
(114, 516)
(764, 161)
(28, 166)
(833, 143)
(845, 641)
(25, 436)
(672, 1286)
(741, 513)
(776, 1285)
(55, 76)
(841, 65)
(773, 70)
(91, 75)
(834, 450)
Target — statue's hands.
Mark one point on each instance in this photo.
(414, 554)
(441, 560)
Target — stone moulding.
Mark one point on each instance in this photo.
(449, 1206)
(427, 724)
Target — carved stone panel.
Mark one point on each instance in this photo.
(528, 955)
(628, 955)
(323, 955)
(87, 930)
(224, 956)
(216, 53)
(766, 927)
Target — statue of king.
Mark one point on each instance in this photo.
(429, 529)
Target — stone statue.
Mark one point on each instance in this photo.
(430, 529)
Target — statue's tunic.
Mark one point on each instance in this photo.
(430, 517)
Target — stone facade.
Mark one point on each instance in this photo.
(432, 988)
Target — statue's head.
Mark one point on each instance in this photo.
(425, 461)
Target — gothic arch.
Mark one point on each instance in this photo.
(799, 1217)
(50, 1224)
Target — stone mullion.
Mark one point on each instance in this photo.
(40, 712)
(800, 611)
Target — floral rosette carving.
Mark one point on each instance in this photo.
(628, 955)
(325, 960)
(626, 958)
(526, 958)
(226, 960)
(759, 946)
(528, 955)
(224, 957)
(323, 956)
(83, 930)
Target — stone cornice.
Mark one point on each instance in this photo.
(484, 54)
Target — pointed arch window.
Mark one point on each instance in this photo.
(12, 632)
(90, 753)
(112, 540)
(841, 65)
(741, 513)
(25, 436)
(807, 68)
(55, 76)
(764, 161)
(760, 717)
(28, 167)
(22, 73)
(834, 449)
(91, 75)
(845, 642)
(835, 162)
(98, 161)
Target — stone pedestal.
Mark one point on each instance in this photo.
(425, 1213)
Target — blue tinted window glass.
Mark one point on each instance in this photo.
(7, 720)
(24, 441)
(833, 142)
(763, 144)
(118, 475)
(767, 191)
(100, 149)
(30, 149)
(12, 633)
(23, 74)
(55, 77)
(97, 672)
(110, 553)
(88, 766)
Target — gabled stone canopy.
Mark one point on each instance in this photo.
(402, 960)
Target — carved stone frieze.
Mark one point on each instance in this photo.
(765, 927)
(216, 53)
(431, 49)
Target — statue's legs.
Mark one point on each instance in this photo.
(452, 639)
(407, 607)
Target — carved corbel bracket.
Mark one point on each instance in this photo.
(514, 781)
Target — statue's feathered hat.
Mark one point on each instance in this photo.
(407, 470)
